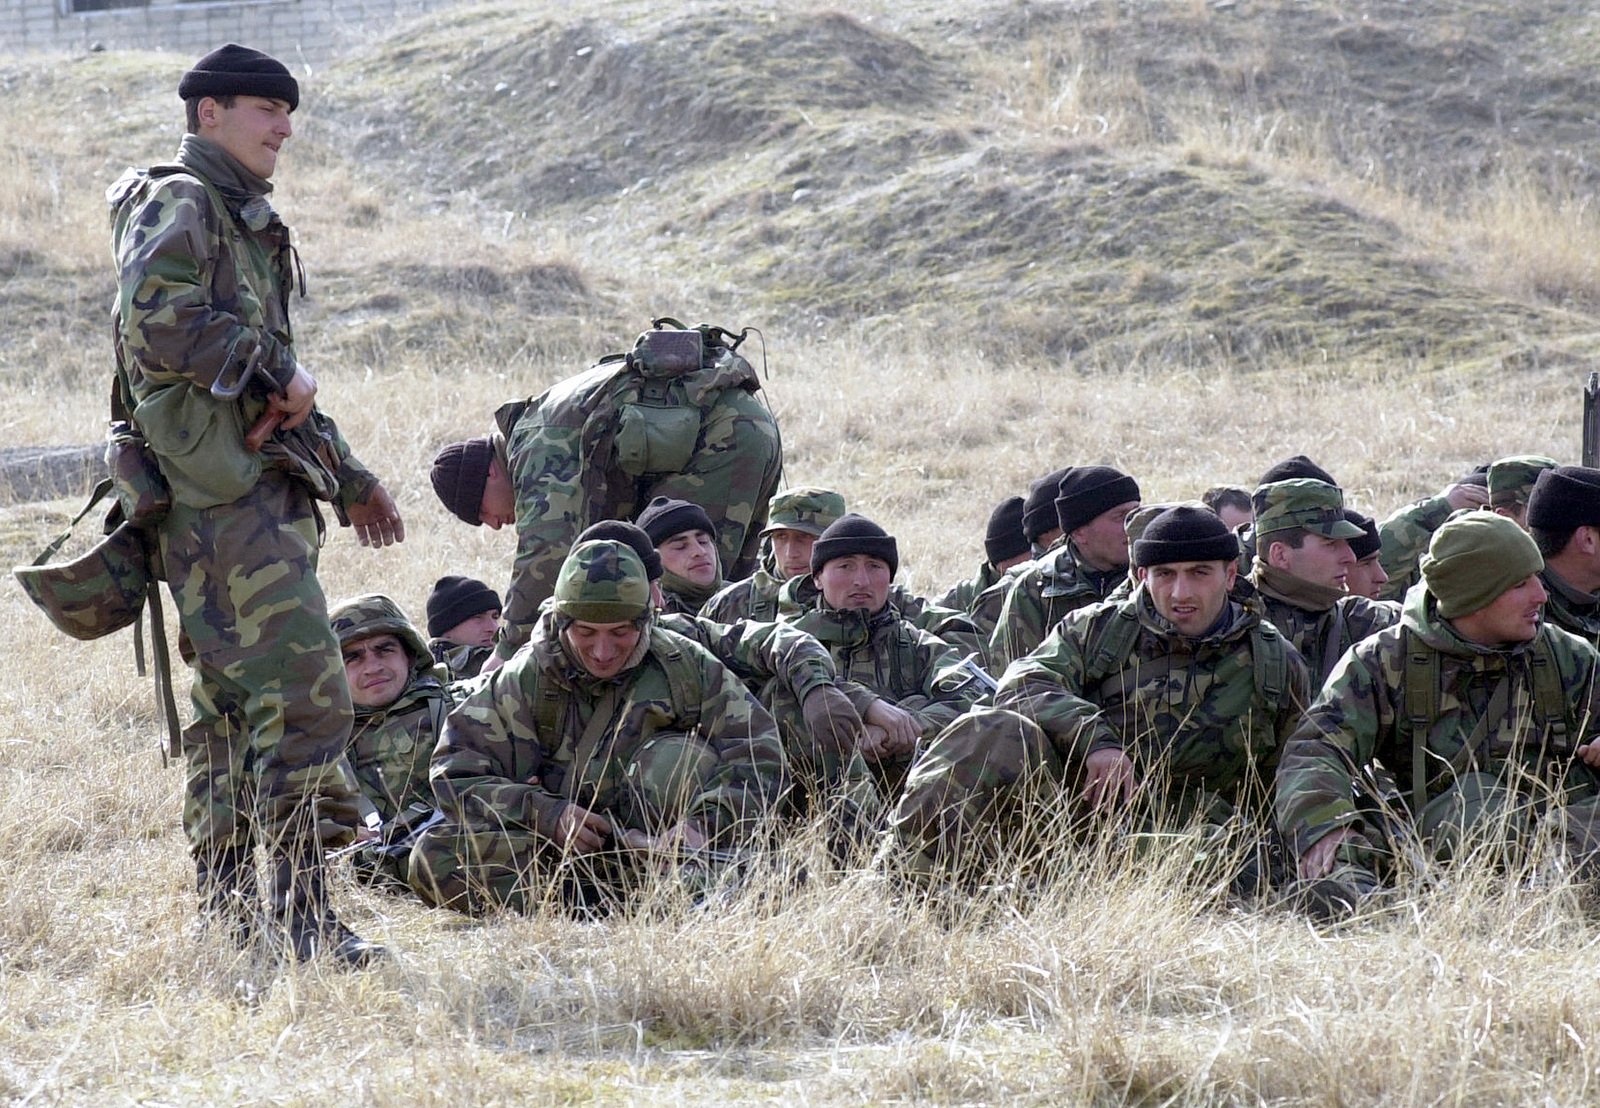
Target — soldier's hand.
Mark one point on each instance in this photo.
(1108, 779)
(1466, 496)
(580, 830)
(900, 727)
(874, 742)
(376, 518)
(296, 400)
(833, 722)
(1318, 861)
(1590, 753)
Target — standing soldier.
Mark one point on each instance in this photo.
(1484, 714)
(204, 351)
(677, 417)
(1564, 519)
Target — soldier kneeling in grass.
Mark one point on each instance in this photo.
(1168, 708)
(607, 747)
(1484, 713)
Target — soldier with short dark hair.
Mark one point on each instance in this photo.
(685, 539)
(1564, 520)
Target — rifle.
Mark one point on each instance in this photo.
(977, 674)
(1591, 420)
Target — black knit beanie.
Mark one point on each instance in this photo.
(664, 517)
(1039, 508)
(1004, 538)
(1087, 491)
(1299, 466)
(235, 70)
(853, 534)
(1478, 476)
(1185, 533)
(620, 530)
(454, 599)
(459, 473)
(1368, 543)
(1565, 498)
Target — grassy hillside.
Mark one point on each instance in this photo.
(981, 240)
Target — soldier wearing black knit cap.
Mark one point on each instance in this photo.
(463, 620)
(1005, 546)
(1564, 519)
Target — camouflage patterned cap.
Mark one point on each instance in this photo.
(1314, 506)
(1511, 479)
(805, 508)
(96, 594)
(602, 581)
(375, 614)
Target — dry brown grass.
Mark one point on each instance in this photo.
(1112, 984)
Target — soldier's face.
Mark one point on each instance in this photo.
(602, 648)
(478, 630)
(377, 669)
(1512, 617)
(1190, 595)
(691, 555)
(1103, 541)
(792, 551)
(499, 506)
(253, 130)
(1367, 578)
(855, 581)
(1320, 560)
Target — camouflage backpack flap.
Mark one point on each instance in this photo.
(1422, 707)
(1111, 650)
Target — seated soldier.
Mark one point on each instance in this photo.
(1564, 520)
(1406, 533)
(906, 683)
(1366, 577)
(685, 539)
(1484, 714)
(1178, 695)
(1302, 563)
(1092, 511)
(795, 517)
(1511, 482)
(610, 743)
(1004, 546)
(463, 619)
(1231, 503)
(400, 707)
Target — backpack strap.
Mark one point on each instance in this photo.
(1271, 659)
(1550, 695)
(1108, 654)
(1421, 682)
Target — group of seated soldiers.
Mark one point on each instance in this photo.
(1310, 694)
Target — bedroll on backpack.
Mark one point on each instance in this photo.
(98, 593)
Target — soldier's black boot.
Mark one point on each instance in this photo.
(225, 879)
(304, 919)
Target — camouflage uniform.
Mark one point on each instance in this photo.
(573, 462)
(883, 656)
(461, 661)
(1404, 537)
(1571, 609)
(204, 278)
(804, 509)
(1200, 715)
(964, 594)
(1521, 766)
(673, 736)
(1036, 599)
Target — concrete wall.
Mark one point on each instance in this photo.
(295, 30)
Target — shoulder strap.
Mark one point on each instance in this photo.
(1108, 654)
(1549, 694)
(1421, 710)
(1271, 665)
(676, 664)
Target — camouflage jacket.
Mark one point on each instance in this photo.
(1405, 536)
(1319, 631)
(461, 662)
(527, 741)
(684, 597)
(755, 598)
(1192, 709)
(204, 274)
(561, 451)
(1571, 610)
(390, 747)
(800, 594)
(1036, 599)
(964, 595)
(883, 656)
(1362, 715)
(756, 653)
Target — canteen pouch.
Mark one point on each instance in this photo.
(136, 478)
(656, 439)
(98, 593)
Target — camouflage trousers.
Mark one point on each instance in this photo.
(272, 713)
(1480, 815)
(991, 790)
(822, 779)
(491, 860)
(734, 472)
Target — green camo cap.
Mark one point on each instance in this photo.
(375, 614)
(1511, 479)
(602, 581)
(806, 508)
(1315, 506)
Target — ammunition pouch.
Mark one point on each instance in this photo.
(136, 479)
